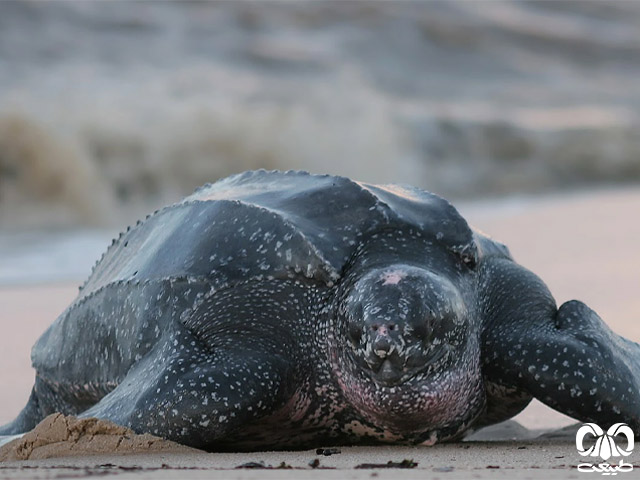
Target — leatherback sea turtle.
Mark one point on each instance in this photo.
(288, 310)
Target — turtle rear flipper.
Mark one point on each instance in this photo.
(567, 358)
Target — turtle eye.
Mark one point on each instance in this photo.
(355, 334)
(420, 330)
(469, 255)
(468, 259)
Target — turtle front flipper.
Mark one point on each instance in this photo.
(196, 397)
(568, 358)
(219, 371)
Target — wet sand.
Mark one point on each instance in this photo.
(584, 246)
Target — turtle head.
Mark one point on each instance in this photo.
(408, 359)
(403, 320)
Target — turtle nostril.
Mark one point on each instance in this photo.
(392, 326)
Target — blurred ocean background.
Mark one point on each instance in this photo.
(109, 110)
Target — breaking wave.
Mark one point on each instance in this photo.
(114, 109)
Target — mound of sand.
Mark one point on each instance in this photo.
(62, 436)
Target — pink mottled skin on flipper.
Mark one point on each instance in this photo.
(393, 277)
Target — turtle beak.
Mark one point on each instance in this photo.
(383, 346)
(383, 359)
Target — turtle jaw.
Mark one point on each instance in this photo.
(388, 374)
(442, 394)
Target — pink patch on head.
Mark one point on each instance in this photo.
(393, 277)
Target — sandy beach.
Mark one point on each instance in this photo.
(584, 246)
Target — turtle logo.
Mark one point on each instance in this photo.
(605, 448)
